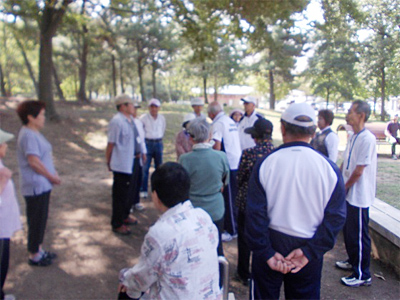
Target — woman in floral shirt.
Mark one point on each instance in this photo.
(261, 132)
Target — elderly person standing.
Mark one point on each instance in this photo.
(154, 128)
(261, 132)
(197, 105)
(248, 120)
(226, 138)
(123, 159)
(208, 178)
(38, 175)
(143, 152)
(183, 143)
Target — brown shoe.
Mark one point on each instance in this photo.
(130, 221)
(123, 230)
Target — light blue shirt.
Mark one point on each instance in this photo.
(122, 135)
(31, 142)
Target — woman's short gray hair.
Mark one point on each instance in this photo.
(199, 130)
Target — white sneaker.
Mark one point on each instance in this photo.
(394, 157)
(344, 265)
(9, 297)
(143, 194)
(354, 282)
(226, 237)
(139, 207)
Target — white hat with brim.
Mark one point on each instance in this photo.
(300, 114)
(5, 136)
(187, 118)
(196, 101)
(154, 102)
(249, 99)
(122, 99)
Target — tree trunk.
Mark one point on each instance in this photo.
(121, 76)
(153, 78)
(383, 85)
(271, 90)
(114, 75)
(83, 67)
(215, 88)
(2, 83)
(327, 97)
(205, 84)
(57, 83)
(45, 75)
(140, 73)
(28, 65)
(49, 22)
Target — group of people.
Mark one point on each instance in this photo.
(285, 205)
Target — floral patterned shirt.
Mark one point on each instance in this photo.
(178, 258)
(247, 161)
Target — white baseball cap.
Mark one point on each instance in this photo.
(196, 101)
(250, 99)
(5, 136)
(300, 114)
(154, 102)
(122, 99)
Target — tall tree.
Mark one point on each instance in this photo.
(332, 69)
(53, 13)
(381, 47)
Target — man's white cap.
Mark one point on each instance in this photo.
(196, 101)
(300, 114)
(250, 99)
(188, 117)
(154, 102)
(136, 104)
(5, 136)
(122, 99)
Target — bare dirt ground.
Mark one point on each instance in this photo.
(90, 255)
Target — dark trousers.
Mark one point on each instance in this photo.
(229, 194)
(220, 226)
(136, 192)
(154, 151)
(4, 261)
(394, 146)
(357, 240)
(266, 283)
(243, 268)
(37, 210)
(123, 189)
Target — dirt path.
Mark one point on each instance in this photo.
(90, 255)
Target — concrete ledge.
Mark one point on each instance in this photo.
(385, 233)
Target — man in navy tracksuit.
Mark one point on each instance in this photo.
(296, 207)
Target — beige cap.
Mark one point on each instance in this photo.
(122, 99)
(5, 136)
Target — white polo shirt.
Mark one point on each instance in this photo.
(225, 131)
(153, 128)
(246, 141)
(361, 151)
